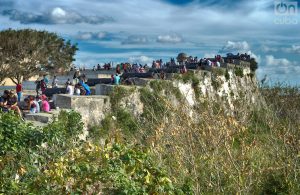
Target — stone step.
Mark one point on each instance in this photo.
(42, 117)
(36, 123)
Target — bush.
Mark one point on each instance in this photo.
(239, 72)
(227, 76)
(195, 81)
(253, 65)
(15, 134)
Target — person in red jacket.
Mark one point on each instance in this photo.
(19, 90)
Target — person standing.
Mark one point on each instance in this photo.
(117, 79)
(37, 86)
(46, 81)
(54, 82)
(118, 69)
(43, 86)
(19, 91)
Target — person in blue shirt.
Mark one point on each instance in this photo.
(117, 79)
(86, 88)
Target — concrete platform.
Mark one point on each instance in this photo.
(92, 108)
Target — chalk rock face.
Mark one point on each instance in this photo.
(235, 90)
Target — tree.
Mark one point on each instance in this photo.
(253, 64)
(181, 58)
(24, 53)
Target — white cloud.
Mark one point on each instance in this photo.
(293, 49)
(56, 15)
(85, 35)
(277, 67)
(267, 49)
(272, 61)
(92, 35)
(136, 39)
(169, 38)
(140, 60)
(208, 26)
(101, 35)
(232, 46)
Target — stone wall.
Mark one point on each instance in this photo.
(92, 108)
(103, 89)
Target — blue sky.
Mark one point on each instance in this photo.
(143, 30)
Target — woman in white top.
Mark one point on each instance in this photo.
(70, 89)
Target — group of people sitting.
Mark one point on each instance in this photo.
(31, 104)
(9, 101)
(36, 104)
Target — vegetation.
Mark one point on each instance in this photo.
(54, 160)
(30, 51)
(217, 71)
(238, 71)
(227, 75)
(253, 65)
(191, 77)
(166, 150)
(218, 154)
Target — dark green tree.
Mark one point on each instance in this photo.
(253, 64)
(25, 53)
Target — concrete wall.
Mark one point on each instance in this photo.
(103, 89)
(91, 108)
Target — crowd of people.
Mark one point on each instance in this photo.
(10, 100)
(32, 104)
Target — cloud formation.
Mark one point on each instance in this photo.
(57, 15)
(93, 35)
(136, 39)
(231, 47)
(294, 49)
(140, 60)
(280, 67)
(272, 61)
(169, 38)
(156, 27)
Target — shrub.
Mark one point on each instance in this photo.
(239, 72)
(227, 76)
(15, 134)
(253, 64)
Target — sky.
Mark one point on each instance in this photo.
(144, 30)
